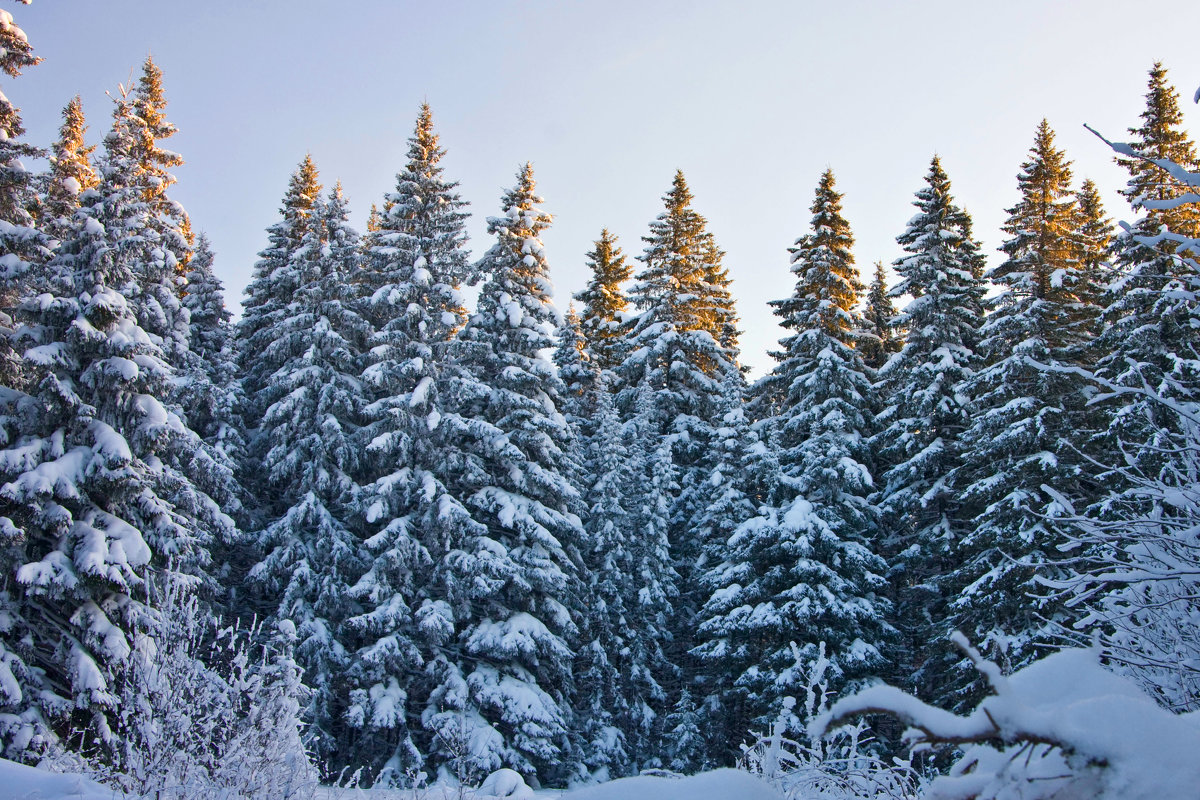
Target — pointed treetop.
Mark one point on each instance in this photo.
(1097, 227)
(827, 282)
(1043, 224)
(71, 171)
(149, 111)
(1161, 136)
(603, 299)
(304, 187)
(684, 281)
(879, 316)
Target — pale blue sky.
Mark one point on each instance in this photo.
(751, 99)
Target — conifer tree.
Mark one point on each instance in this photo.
(611, 483)
(1018, 441)
(71, 172)
(923, 417)
(801, 570)
(604, 301)
(823, 303)
(512, 580)
(160, 277)
(413, 265)
(275, 279)
(21, 243)
(1096, 229)
(1149, 338)
(1159, 137)
(90, 499)
(311, 544)
(681, 347)
(879, 337)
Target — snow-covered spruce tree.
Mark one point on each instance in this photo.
(89, 501)
(1026, 418)
(604, 301)
(681, 346)
(23, 732)
(924, 413)
(268, 296)
(156, 293)
(601, 704)
(1135, 571)
(685, 744)
(745, 478)
(414, 262)
(311, 544)
(22, 245)
(206, 483)
(879, 337)
(803, 570)
(1152, 188)
(512, 584)
(212, 401)
(1096, 230)
(580, 376)
(649, 589)
(1150, 339)
(71, 172)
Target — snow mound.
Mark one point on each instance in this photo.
(20, 782)
(721, 784)
(505, 783)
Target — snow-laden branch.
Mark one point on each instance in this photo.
(1061, 727)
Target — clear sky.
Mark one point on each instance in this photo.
(752, 100)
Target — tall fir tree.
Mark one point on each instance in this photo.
(90, 499)
(513, 582)
(22, 245)
(160, 279)
(311, 546)
(802, 570)
(680, 348)
(414, 263)
(604, 301)
(1149, 338)
(1029, 404)
(920, 425)
(274, 280)
(1161, 136)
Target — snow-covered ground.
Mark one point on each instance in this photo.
(19, 782)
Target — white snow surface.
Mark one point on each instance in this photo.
(720, 784)
(20, 782)
(29, 783)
